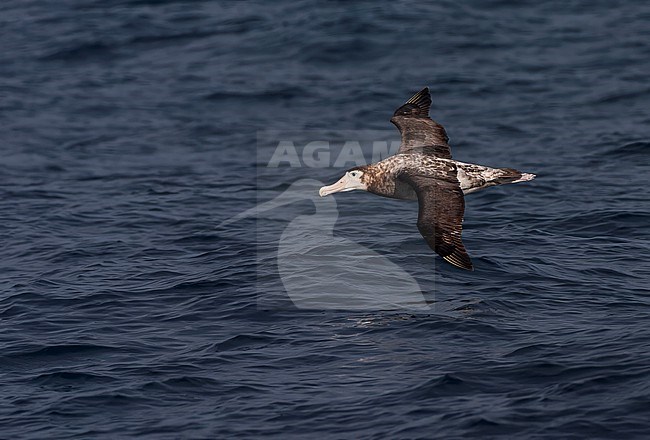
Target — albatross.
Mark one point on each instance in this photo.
(423, 170)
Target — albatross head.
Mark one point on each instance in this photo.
(353, 179)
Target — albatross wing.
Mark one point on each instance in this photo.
(420, 133)
(440, 217)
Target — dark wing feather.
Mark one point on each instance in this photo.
(420, 133)
(440, 217)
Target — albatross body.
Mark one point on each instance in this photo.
(423, 170)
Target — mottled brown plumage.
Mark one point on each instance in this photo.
(440, 216)
(433, 182)
(423, 169)
(420, 133)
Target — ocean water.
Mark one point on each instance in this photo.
(131, 130)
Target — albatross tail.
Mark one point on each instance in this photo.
(510, 175)
(474, 178)
(525, 177)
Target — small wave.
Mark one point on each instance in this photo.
(76, 378)
(447, 384)
(90, 51)
(601, 222)
(62, 350)
(263, 95)
(244, 342)
(529, 350)
(629, 149)
(621, 96)
(178, 37)
(181, 384)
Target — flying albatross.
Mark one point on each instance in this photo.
(423, 170)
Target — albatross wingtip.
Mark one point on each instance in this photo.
(420, 97)
(459, 259)
(417, 106)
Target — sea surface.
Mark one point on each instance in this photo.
(161, 278)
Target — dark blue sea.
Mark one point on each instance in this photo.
(161, 277)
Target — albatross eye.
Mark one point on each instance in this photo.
(354, 174)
